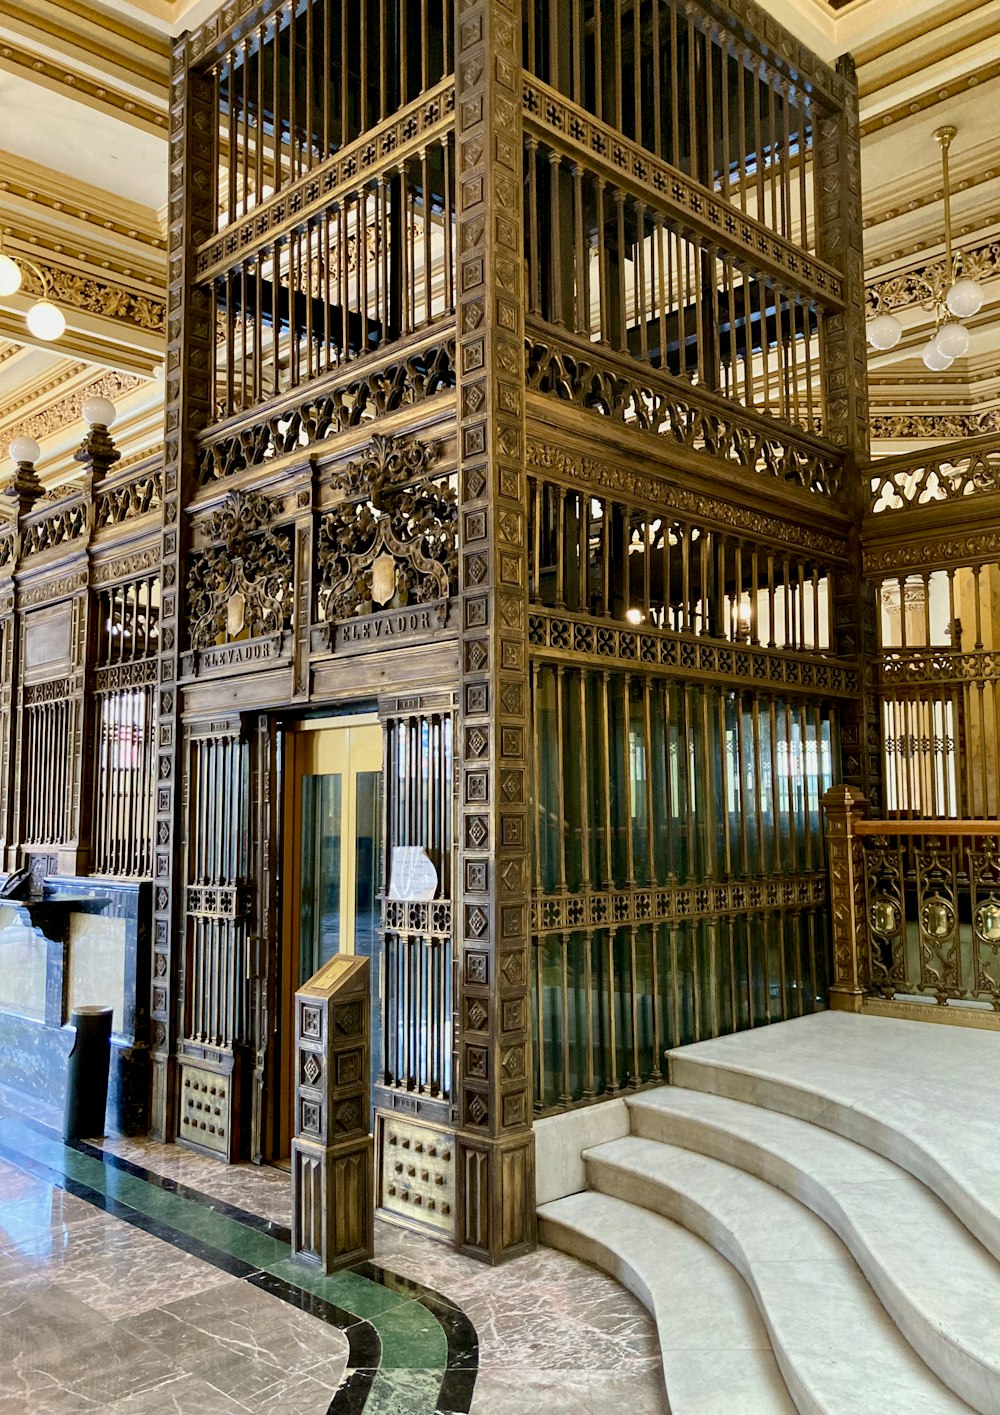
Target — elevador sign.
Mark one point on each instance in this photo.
(407, 624)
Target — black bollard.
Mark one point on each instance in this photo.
(87, 1080)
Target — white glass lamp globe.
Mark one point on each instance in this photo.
(46, 320)
(934, 359)
(884, 331)
(98, 412)
(965, 298)
(952, 340)
(10, 275)
(24, 449)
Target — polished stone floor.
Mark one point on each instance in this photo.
(143, 1278)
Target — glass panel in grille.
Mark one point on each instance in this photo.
(322, 843)
(125, 692)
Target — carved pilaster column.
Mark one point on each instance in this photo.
(846, 418)
(495, 1146)
(839, 238)
(18, 494)
(843, 808)
(188, 381)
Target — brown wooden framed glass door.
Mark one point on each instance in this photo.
(332, 867)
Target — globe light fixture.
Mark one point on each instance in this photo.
(965, 298)
(10, 275)
(884, 331)
(99, 412)
(952, 340)
(44, 319)
(24, 451)
(934, 359)
(958, 297)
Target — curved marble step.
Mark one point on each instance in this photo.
(939, 1285)
(923, 1096)
(835, 1344)
(716, 1353)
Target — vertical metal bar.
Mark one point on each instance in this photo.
(605, 758)
(566, 1095)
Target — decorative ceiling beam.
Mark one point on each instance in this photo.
(100, 95)
(131, 56)
(940, 93)
(62, 204)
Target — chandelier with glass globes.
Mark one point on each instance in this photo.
(963, 298)
(44, 319)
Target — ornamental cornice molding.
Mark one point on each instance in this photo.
(940, 93)
(75, 290)
(105, 572)
(936, 550)
(144, 273)
(53, 191)
(37, 390)
(924, 285)
(66, 411)
(942, 427)
(931, 195)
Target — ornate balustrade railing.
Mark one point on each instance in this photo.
(49, 525)
(953, 472)
(915, 909)
(703, 88)
(403, 375)
(566, 367)
(128, 494)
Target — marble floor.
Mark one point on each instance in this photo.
(138, 1278)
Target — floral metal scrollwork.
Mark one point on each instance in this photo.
(393, 541)
(242, 585)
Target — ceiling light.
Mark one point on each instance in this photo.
(958, 296)
(44, 319)
(884, 331)
(10, 275)
(24, 451)
(934, 359)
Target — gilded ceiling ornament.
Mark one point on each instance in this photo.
(73, 290)
(926, 285)
(393, 541)
(66, 411)
(241, 586)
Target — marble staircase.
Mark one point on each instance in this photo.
(811, 1212)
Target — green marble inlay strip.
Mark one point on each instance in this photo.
(393, 1392)
(357, 1294)
(412, 1338)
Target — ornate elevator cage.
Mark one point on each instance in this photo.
(515, 391)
